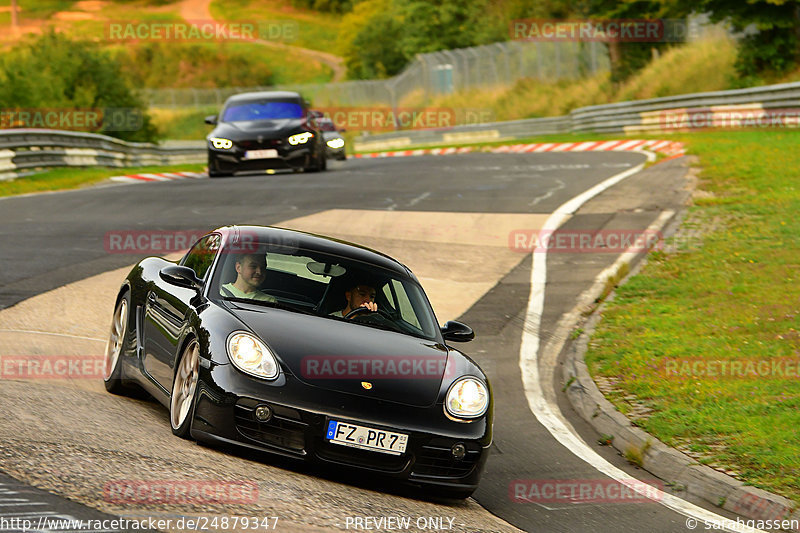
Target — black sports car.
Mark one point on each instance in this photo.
(307, 347)
(266, 130)
(333, 139)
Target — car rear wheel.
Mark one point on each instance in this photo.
(119, 340)
(184, 387)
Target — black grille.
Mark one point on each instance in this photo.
(253, 144)
(436, 460)
(278, 431)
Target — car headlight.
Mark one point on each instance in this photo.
(336, 143)
(467, 398)
(300, 138)
(221, 144)
(251, 355)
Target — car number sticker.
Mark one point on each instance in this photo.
(260, 154)
(366, 438)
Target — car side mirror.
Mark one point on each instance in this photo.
(181, 276)
(457, 332)
(211, 119)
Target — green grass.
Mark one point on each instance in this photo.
(188, 64)
(310, 29)
(183, 124)
(38, 9)
(730, 292)
(75, 178)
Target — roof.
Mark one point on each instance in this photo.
(266, 95)
(321, 243)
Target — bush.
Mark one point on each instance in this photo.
(55, 72)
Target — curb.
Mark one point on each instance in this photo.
(679, 471)
(670, 148)
(163, 176)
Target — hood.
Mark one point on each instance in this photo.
(256, 127)
(339, 356)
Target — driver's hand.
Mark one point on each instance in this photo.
(372, 306)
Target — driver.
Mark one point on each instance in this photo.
(250, 273)
(358, 295)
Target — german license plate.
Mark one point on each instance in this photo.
(366, 438)
(260, 154)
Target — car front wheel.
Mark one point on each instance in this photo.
(184, 387)
(119, 340)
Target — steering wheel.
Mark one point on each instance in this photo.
(360, 310)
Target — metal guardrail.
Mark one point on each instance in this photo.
(26, 149)
(739, 107)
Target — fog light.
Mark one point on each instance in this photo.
(263, 413)
(458, 451)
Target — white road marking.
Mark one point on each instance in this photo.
(547, 412)
(30, 514)
(559, 185)
(51, 333)
(419, 198)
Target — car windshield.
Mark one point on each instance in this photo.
(261, 110)
(309, 281)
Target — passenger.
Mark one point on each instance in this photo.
(250, 274)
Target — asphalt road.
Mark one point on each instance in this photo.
(53, 239)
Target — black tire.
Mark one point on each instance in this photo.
(184, 390)
(219, 174)
(121, 338)
(213, 171)
(316, 164)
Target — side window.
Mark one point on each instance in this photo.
(398, 298)
(202, 254)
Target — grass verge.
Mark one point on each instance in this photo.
(74, 178)
(725, 291)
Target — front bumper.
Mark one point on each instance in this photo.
(226, 405)
(235, 159)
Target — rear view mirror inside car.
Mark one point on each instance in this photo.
(325, 269)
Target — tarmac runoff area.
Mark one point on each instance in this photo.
(67, 435)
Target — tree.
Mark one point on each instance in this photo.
(772, 42)
(628, 57)
(380, 37)
(54, 72)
